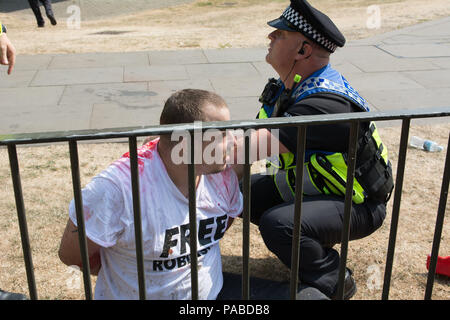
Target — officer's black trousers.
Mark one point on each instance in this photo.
(321, 227)
(34, 4)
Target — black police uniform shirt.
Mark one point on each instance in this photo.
(330, 137)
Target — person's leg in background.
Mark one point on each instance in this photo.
(49, 11)
(34, 4)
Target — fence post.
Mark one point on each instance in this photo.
(396, 206)
(75, 169)
(246, 223)
(352, 148)
(439, 225)
(17, 185)
(134, 167)
(193, 219)
(295, 263)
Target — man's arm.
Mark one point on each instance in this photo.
(260, 138)
(69, 249)
(7, 52)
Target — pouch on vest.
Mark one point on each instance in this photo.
(330, 172)
(373, 169)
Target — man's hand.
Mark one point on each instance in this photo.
(7, 52)
(261, 138)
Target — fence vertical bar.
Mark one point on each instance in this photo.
(75, 169)
(396, 207)
(20, 206)
(351, 163)
(134, 167)
(246, 223)
(439, 226)
(295, 263)
(193, 219)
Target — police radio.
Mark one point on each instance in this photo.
(270, 92)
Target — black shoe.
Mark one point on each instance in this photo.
(349, 286)
(41, 25)
(11, 296)
(52, 20)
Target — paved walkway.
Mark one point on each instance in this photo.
(404, 69)
(91, 9)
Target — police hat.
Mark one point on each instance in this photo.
(301, 17)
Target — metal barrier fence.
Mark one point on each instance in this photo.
(72, 137)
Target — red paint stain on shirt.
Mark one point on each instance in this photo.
(143, 152)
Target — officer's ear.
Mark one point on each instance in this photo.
(304, 51)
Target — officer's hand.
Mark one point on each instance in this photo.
(7, 52)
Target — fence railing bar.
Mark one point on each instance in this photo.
(351, 163)
(20, 206)
(79, 135)
(439, 225)
(193, 219)
(75, 169)
(134, 167)
(295, 261)
(396, 207)
(246, 223)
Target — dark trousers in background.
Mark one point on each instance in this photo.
(321, 228)
(34, 4)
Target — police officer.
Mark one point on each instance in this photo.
(299, 51)
(34, 4)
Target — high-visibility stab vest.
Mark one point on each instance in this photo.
(326, 172)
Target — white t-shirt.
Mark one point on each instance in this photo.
(108, 211)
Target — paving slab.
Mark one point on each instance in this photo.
(264, 69)
(243, 108)
(167, 87)
(99, 60)
(33, 62)
(170, 57)
(113, 115)
(430, 79)
(417, 50)
(385, 100)
(373, 59)
(49, 117)
(17, 79)
(133, 94)
(235, 55)
(244, 87)
(24, 98)
(382, 81)
(221, 70)
(57, 77)
(149, 73)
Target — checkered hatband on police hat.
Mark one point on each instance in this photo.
(302, 25)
